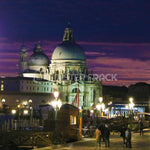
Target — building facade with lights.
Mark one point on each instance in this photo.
(67, 73)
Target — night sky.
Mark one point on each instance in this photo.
(115, 34)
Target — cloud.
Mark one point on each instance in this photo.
(127, 70)
(107, 58)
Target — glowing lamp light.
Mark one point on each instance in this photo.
(59, 103)
(100, 99)
(25, 112)
(25, 103)
(131, 105)
(110, 103)
(56, 94)
(91, 111)
(103, 106)
(13, 111)
(98, 106)
(56, 104)
(30, 100)
(18, 106)
(3, 100)
(131, 99)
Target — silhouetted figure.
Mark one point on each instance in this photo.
(128, 137)
(141, 126)
(102, 128)
(106, 134)
(123, 130)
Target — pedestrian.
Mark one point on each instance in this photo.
(106, 134)
(98, 137)
(123, 130)
(141, 126)
(128, 137)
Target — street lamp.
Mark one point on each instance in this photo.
(100, 106)
(25, 112)
(131, 105)
(13, 111)
(56, 105)
(100, 99)
(3, 100)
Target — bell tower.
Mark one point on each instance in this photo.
(23, 60)
(68, 35)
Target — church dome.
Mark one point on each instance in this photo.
(68, 49)
(38, 58)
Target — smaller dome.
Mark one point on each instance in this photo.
(38, 58)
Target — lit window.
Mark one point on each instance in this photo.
(2, 87)
(72, 120)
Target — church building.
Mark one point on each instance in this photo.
(66, 72)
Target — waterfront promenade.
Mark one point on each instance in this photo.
(116, 143)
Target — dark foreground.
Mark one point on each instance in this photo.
(116, 142)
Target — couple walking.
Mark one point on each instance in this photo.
(102, 132)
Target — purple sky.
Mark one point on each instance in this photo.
(114, 34)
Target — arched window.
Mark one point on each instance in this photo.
(75, 90)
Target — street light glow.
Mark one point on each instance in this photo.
(30, 100)
(131, 105)
(54, 103)
(24, 103)
(56, 94)
(103, 106)
(100, 99)
(3, 100)
(92, 111)
(13, 111)
(18, 106)
(25, 112)
(98, 106)
(131, 99)
(59, 103)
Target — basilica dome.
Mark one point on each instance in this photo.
(68, 51)
(38, 58)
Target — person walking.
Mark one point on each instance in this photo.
(128, 138)
(141, 126)
(123, 130)
(98, 137)
(106, 135)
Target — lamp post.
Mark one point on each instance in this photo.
(13, 111)
(31, 113)
(56, 105)
(131, 105)
(100, 106)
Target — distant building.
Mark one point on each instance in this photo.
(67, 73)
